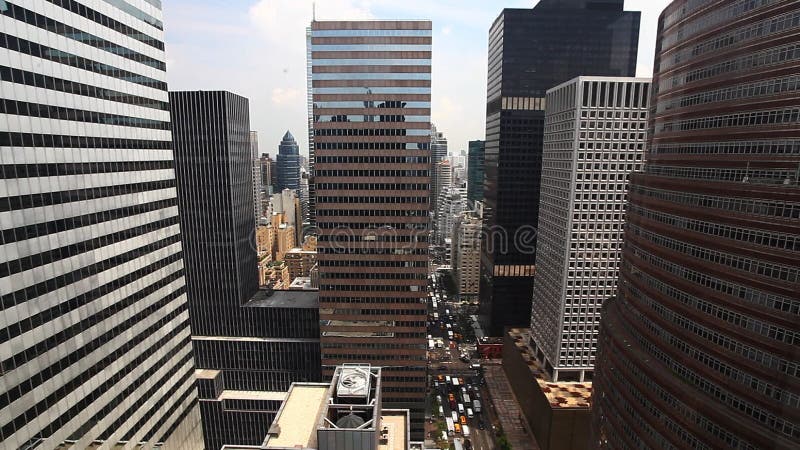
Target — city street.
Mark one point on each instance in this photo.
(457, 386)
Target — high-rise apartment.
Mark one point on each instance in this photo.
(94, 327)
(700, 348)
(475, 162)
(466, 255)
(288, 164)
(594, 138)
(531, 51)
(371, 123)
(249, 344)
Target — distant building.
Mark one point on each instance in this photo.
(475, 170)
(438, 155)
(530, 51)
(288, 164)
(582, 213)
(466, 259)
(443, 175)
(300, 262)
(258, 191)
(451, 204)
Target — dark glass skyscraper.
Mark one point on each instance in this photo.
(530, 51)
(700, 348)
(247, 342)
(475, 171)
(288, 164)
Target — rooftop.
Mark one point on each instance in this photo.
(560, 394)
(295, 426)
(395, 425)
(252, 395)
(295, 298)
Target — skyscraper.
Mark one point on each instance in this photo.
(94, 327)
(531, 51)
(700, 348)
(475, 170)
(438, 155)
(288, 164)
(594, 139)
(466, 259)
(248, 343)
(371, 109)
(255, 162)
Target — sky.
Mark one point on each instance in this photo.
(256, 48)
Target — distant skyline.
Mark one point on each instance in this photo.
(256, 48)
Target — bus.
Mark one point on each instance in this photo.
(450, 427)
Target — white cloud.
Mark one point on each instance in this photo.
(282, 96)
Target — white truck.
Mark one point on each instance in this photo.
(450, 428)
(465, 430)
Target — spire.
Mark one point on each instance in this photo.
(288, 136)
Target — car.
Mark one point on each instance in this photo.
(457, 427)
(463, 420)
(470, 414)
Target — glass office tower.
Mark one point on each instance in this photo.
(371, 123)
(700, 348)
(531, 51)
(94, 328)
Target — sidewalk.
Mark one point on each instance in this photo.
(507, 409)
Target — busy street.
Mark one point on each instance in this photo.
(458, 415)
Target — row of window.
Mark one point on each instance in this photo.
(371, 276)
(19, 202)
(372, 173)
(321, 212)
(61, 29)
(78, 115)
(321, 199)
(747, 264)
(72, 87)
(765, 147)
(746, 119)
(374, 300)
(371, 263)
(376, 288)
(372, 159)
(14, 171)
(371, 226)
(371, 238)
(758, 237)
(372, 145)
(12, 139)
(711, 18)
(777, 86)
(81, 10)
(744, 205)
(27, 47)
(756, 176)
(338, 250)
(367, 131)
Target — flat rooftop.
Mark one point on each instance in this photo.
(560, 394)
(295, 426)
(252, 395)
(295, 298)
(395, 423)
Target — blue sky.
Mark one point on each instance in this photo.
(256, 48)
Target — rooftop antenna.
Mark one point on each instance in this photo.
(313, 11)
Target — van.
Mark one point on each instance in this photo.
(447, 379)
(465, 430)
(467, 400)
(461, 408)
(470, 414)
(477, 405)
(454, 415)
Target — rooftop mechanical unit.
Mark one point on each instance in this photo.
(354, 382)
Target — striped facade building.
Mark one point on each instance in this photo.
(700, 348)
(371, 93)
(95, 343)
